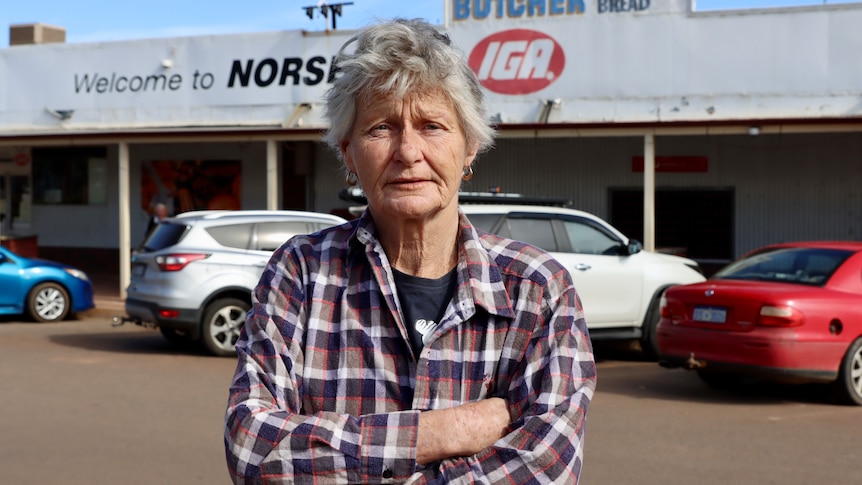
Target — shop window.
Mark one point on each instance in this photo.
(14, 202)
(70, 176)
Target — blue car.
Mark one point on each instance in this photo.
(44, 290)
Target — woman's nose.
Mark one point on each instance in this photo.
(408, 146)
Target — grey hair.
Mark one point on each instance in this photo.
(397, 58)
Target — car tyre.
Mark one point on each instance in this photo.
(48, 302)
(223, 321)
(649, 344)
(848, 387)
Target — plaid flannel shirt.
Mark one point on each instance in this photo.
(328, 390)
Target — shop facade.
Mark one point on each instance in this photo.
(693, 132)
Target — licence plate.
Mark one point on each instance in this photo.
(138, 270)
(711, 314)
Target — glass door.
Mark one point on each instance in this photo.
(15, 204)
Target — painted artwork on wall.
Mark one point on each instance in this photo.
(185, 185)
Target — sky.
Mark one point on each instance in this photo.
(112, 20)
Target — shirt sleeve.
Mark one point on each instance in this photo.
(268, 437)
(548, 398)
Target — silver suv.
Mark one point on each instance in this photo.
(193, 276)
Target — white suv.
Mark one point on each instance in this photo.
(193, 276)
(619, 283)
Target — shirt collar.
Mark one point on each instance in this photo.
(484, 276)
(480, 279)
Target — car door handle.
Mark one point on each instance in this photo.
(582, 266)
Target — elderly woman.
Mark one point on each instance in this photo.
(407, 345)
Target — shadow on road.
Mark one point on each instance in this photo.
(25, 319)
(647, 380)
(138, 342)
(629, 372)
(619, 350)
(623, 370)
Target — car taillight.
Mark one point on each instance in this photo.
(664, 308)
(176, 262)
(784, 316)
(672, 311)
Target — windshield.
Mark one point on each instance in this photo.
(806, 266)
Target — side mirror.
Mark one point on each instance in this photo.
(634, 247)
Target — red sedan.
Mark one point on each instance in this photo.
(787, 312)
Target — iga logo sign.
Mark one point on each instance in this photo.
(517, 61)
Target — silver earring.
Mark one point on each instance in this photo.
(351, 179)
(468, 172)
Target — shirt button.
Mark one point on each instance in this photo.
(387, 473)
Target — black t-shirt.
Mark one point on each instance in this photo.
(423, 302)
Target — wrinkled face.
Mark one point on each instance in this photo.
(409, 155)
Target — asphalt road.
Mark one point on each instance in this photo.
(86, 403)
(650, 425)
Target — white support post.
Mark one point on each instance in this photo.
(271, 175)
(649, 192)
(125, 220)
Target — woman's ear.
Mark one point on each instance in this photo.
(472, 151)
(346, 156)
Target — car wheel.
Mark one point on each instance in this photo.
(649, 346)
(48, 302)
(222, 323)
(848, 387)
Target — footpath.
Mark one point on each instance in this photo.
(106, 295)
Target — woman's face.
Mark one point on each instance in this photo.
(409, 154)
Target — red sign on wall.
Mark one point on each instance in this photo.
(673, 164)
(22, 159)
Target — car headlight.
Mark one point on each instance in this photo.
(77, 274)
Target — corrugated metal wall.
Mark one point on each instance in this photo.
(791, 187)
(327, 180)
(787, 187)
(580, 169)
